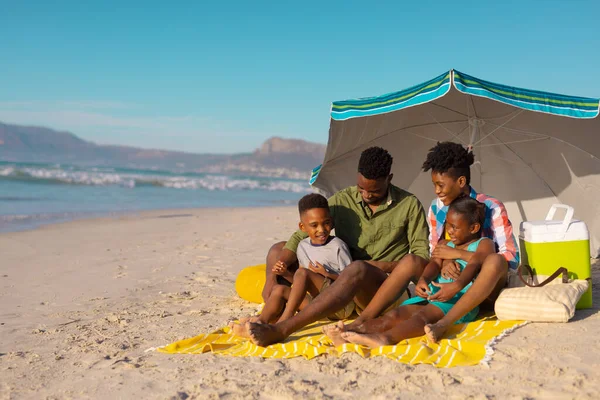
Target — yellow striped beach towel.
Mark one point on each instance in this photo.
(464, 344)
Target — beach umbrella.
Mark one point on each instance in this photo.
(532, 148)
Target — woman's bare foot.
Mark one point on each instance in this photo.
(334, 332)
(434, 332)
(371, 340)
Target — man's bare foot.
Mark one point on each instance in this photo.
(371, 340)
(355, 326)
(334, 332)
(264, 334)
(434, 332)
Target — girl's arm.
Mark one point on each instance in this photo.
(432, 269)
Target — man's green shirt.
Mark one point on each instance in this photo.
(397, 226)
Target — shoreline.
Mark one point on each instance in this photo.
(82, 301)
(93, 215)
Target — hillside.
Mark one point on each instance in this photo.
(276, 157)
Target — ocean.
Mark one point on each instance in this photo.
(34, 194)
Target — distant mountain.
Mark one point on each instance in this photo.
(276, 157)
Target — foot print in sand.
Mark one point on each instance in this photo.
(121, 271)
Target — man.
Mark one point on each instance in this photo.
(380, 223)
(450, 173)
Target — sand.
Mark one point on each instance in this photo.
(80, 302)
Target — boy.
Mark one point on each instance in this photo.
(321, 258)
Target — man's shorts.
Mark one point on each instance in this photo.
(402, 297)
(341, 314)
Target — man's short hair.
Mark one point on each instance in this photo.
(375, 163)
(450, 158)
(471, 209)
(310, 201)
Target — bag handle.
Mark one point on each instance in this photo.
(561, 271)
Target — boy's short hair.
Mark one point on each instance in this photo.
(471, 209)
(375, 163)
(450, 158)
(310, 201)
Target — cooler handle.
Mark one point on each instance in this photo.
(568, 216)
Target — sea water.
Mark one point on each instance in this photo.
(33, 194)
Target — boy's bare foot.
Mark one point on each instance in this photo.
(334, 332)
(264, 334)
(283, 318)
(240, 329)
(371, 340)
(434, 332)
(252, 318)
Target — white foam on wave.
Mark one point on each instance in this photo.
(106, 177)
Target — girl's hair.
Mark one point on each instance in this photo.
(469, 208)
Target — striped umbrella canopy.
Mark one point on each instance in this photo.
(532, 148)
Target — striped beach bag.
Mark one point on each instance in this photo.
(540, 298)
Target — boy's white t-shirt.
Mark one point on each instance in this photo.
(334, 255)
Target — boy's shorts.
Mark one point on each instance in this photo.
(351, 307)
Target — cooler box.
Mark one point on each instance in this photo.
(547, 245)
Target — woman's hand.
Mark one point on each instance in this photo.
(450, 270)
(445, 252)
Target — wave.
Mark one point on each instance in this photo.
(60, 175)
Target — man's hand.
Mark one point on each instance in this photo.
(445, 252)
(446, 292)
(318, 268)
(422, 289)
(279, 268)
(450, 269)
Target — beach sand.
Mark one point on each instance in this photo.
(80, 302)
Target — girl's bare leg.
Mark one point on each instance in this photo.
(410, 328)
(377, 325)
(487, 286)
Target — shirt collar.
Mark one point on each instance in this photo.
(391, 197)
(473, 193)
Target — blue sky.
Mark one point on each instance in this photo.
(224, 76)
